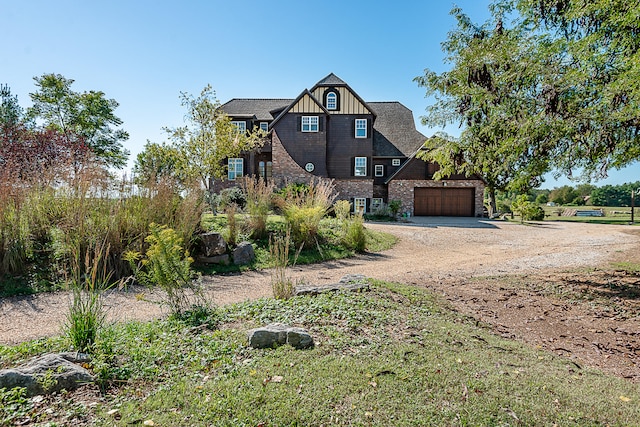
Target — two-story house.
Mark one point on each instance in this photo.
(367, 148)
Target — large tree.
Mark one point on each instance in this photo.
(599, 93)
(88, 114)
(495, 91)
(208, 138)
(158, 162)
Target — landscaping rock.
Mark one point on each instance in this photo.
(213, 244)
(218, 259)
(277, 334)
(350, 282)
(243, 254)
(48, 374)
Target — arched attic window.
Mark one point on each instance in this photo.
(332, 101)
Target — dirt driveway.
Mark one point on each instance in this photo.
(498, 272)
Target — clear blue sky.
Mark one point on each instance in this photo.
(144, 53)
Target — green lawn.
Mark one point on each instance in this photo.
(393, 356)
(613, 215)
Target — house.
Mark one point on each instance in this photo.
(368, 148)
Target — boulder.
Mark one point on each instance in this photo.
(48, 373)
(277, 334)
(218, 259)
(244, 254)
(213, 244)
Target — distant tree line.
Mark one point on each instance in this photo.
(580, 195)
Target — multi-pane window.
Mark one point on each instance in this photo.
(332, 101)
(376, 204)
(395, 162)
(379, 170)
(309, 123)
(359, 205)
(264, 126)
(235, 168)
(261, 170)
(241, 126)
(360, 166)
(269, 169)
(361, 128)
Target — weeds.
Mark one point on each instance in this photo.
(167, 265)
(282, 285)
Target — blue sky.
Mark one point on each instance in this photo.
(144, 53)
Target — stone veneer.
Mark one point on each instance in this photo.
(284, 168)
(403, 190)
(348, 188)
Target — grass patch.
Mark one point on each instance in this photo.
(391, 356)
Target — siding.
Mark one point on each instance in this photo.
(343, 147)
(349, 103)
(304, 147)
(306, 105)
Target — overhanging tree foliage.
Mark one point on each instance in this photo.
(495, 90)
(557, 86)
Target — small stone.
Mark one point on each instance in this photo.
(277, 334)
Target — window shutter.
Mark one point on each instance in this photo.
(299, 124)
(321, 124)
(353, 166)
(367, 205)
(353, 204)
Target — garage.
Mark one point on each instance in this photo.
(443, 201)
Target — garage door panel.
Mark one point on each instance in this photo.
(444, 201)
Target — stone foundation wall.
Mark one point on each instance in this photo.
(403, 190)
(350, 188)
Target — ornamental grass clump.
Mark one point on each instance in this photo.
(281, 284)
(87, 315)
(258, 193)
(304, 209)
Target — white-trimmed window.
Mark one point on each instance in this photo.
(309, 123)
(379, 170)
(264, 126)
(360, 166)
(361, 128)
(261, 170)
(235, 166)
(332, 101)
(241, 126)
(359, 205)
(376, 203)
(395, 162)
(269, 169)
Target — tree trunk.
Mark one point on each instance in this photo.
(492, 201)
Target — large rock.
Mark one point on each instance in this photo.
(47, 374)
(350, 282)
(277, 334)
(244, 254)
(213, 244)
(218, 259)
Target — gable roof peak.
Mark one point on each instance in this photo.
(331, 80)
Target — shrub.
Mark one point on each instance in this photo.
(168, 266)
(342, 209)
(527, 210)
(354, 235)
(229, 196)
(231, 234)
(394, 207)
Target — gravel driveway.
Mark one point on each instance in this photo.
(430, 250)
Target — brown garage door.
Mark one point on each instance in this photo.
(444, 202)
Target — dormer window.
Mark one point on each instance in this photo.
(332, 101)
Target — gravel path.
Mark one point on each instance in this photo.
(436, 250)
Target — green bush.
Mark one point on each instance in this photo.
(167, 265)
(354, 235)
(342, 209)
(527, 210)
